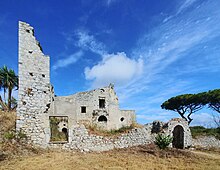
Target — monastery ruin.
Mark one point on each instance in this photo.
(59, 122)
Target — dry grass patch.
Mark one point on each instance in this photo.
(7, 121)
(135, 158)
(95, 130)
(13, 144)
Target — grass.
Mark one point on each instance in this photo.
(202, 131)
(7, 123)
(93, 129)
(136, 158)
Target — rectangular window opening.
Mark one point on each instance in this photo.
(101, 103)
(58, 129)
(83, 109)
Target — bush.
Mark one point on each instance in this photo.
(10, 135)
(163, 141)
(202, 131)
(21, 135)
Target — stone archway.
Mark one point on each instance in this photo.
(178, 137)
(102, 119)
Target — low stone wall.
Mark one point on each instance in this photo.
(206, 142)
(83, 141)
(80, 139)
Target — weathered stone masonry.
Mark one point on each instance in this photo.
(34, 95)
(43, 117)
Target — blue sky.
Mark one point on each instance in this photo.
(151, 50)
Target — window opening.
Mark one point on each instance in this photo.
(83, 109)
(101, 103)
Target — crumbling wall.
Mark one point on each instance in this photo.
(34, 94)
(84, 141)
(169, 129)
(84, 107)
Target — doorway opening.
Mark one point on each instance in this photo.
(178, 137)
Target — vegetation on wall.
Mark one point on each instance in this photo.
(94, 129)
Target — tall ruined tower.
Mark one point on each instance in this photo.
(34, 94)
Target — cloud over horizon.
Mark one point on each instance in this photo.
(114, 68)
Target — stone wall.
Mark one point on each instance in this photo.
(206, 142)
(80, 139)
(83, 141)
(34, 94)
(71, 106)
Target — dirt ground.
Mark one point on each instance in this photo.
(135, 158)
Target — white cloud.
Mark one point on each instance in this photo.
(89, 42)
(64, 62)
(114, 68)
(185, 5)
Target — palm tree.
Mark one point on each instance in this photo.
(8, 81)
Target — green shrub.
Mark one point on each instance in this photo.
(202, 131)
(21, 135)
(163, 141)
(9, 135)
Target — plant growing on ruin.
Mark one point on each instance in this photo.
(13, 135)
(8, 81)
(163, 141)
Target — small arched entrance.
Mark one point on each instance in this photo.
(102, 119)
(178, 137)
(65, 132)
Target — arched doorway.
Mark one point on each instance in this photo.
(102, 119)
(178, 137)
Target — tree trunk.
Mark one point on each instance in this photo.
(2, 103)
(189, 118)
(182, 115)
(9, 98)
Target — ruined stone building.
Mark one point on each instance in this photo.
(51, 121)
(98, 107)
(37, 102)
